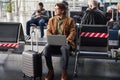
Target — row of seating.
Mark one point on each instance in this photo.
(17, 35)
(91, 40)
(94, 43)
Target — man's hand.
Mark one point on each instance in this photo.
(37, 15)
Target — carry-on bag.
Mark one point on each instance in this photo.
(32, 61)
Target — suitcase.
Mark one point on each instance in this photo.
(32, 61)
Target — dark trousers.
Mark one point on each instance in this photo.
(39, 22)
(64, 50)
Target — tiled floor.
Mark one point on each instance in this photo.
(89, 69)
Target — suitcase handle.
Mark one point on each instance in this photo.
(33, 33)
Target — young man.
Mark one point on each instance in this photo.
(38, 18)
(93, 15)
(60, 24)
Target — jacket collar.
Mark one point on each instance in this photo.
(63, 25)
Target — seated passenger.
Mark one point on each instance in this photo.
(60, 24)
(118, 9)
(114, 21)
(93, 15)
(38, 18)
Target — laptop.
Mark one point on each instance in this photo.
(57, 40)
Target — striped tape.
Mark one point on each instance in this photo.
(9, 45)
(94, 35)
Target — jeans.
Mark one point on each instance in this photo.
(39, 22)
(64, 50)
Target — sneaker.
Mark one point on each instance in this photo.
(42, 36)
(27, 37)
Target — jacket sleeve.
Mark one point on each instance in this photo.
(49, 27)
(33, 15)
(44, 14)
(72, 31)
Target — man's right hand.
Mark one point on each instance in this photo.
(37, 16)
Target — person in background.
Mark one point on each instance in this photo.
(60, 24)
(38, 17)
(67, 5)
(118, 7)
(118, 10)
(93, 15)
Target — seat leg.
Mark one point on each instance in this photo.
(76, 65)
(34, 78)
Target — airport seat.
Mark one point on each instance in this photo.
(11, 35)
(93, 43)
(35, 30)
(76, 15)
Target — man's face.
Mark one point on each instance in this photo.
(40, 7)
(58, 11)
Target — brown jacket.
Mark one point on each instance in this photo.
(68, 29)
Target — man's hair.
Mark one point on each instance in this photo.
(62, 6)
(93, 2)
(40, 4)
(66, 3)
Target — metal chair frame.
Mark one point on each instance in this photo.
(89, 54)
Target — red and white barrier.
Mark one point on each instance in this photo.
(94, 35)
(9, 45)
